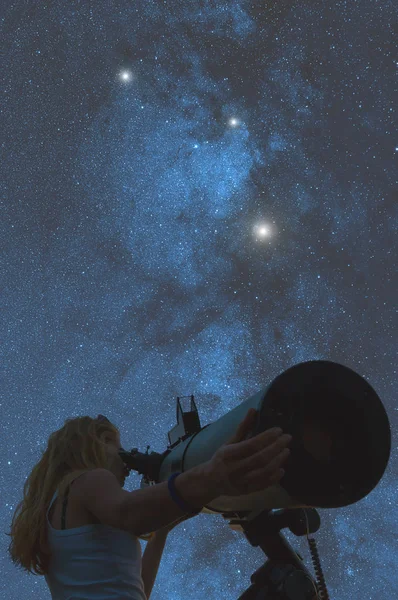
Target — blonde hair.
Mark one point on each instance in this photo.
(74, 449)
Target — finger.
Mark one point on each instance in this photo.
(254, 445)
(262, 458)
(267, 455)
(275, 464)
(261, 478)
(244, 427)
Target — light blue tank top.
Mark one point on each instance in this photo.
(94, 562)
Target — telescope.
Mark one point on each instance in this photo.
(340, 448)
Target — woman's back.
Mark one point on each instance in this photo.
(90, 559)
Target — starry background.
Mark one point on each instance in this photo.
(195, 197)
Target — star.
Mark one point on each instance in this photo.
(233, 122)
(125, 75)
(262, 231)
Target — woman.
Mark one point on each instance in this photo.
(54, 535)
(95, 555)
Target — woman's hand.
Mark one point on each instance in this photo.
(242, 466)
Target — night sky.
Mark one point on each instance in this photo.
(196, 196)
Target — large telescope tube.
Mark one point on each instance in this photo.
(340, 448)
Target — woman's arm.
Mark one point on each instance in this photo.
(151, 560)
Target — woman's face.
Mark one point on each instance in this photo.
(117, 466)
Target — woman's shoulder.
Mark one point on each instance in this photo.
(70, 478)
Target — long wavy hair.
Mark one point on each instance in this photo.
(77, 447)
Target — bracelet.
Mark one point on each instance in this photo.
(177, 499)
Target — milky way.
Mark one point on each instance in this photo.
(197, 196)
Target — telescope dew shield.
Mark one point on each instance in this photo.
(341, 439)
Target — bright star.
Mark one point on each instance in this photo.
(234, 122)
(262, 231)
(126, 76)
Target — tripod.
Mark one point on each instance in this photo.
(283, 576)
